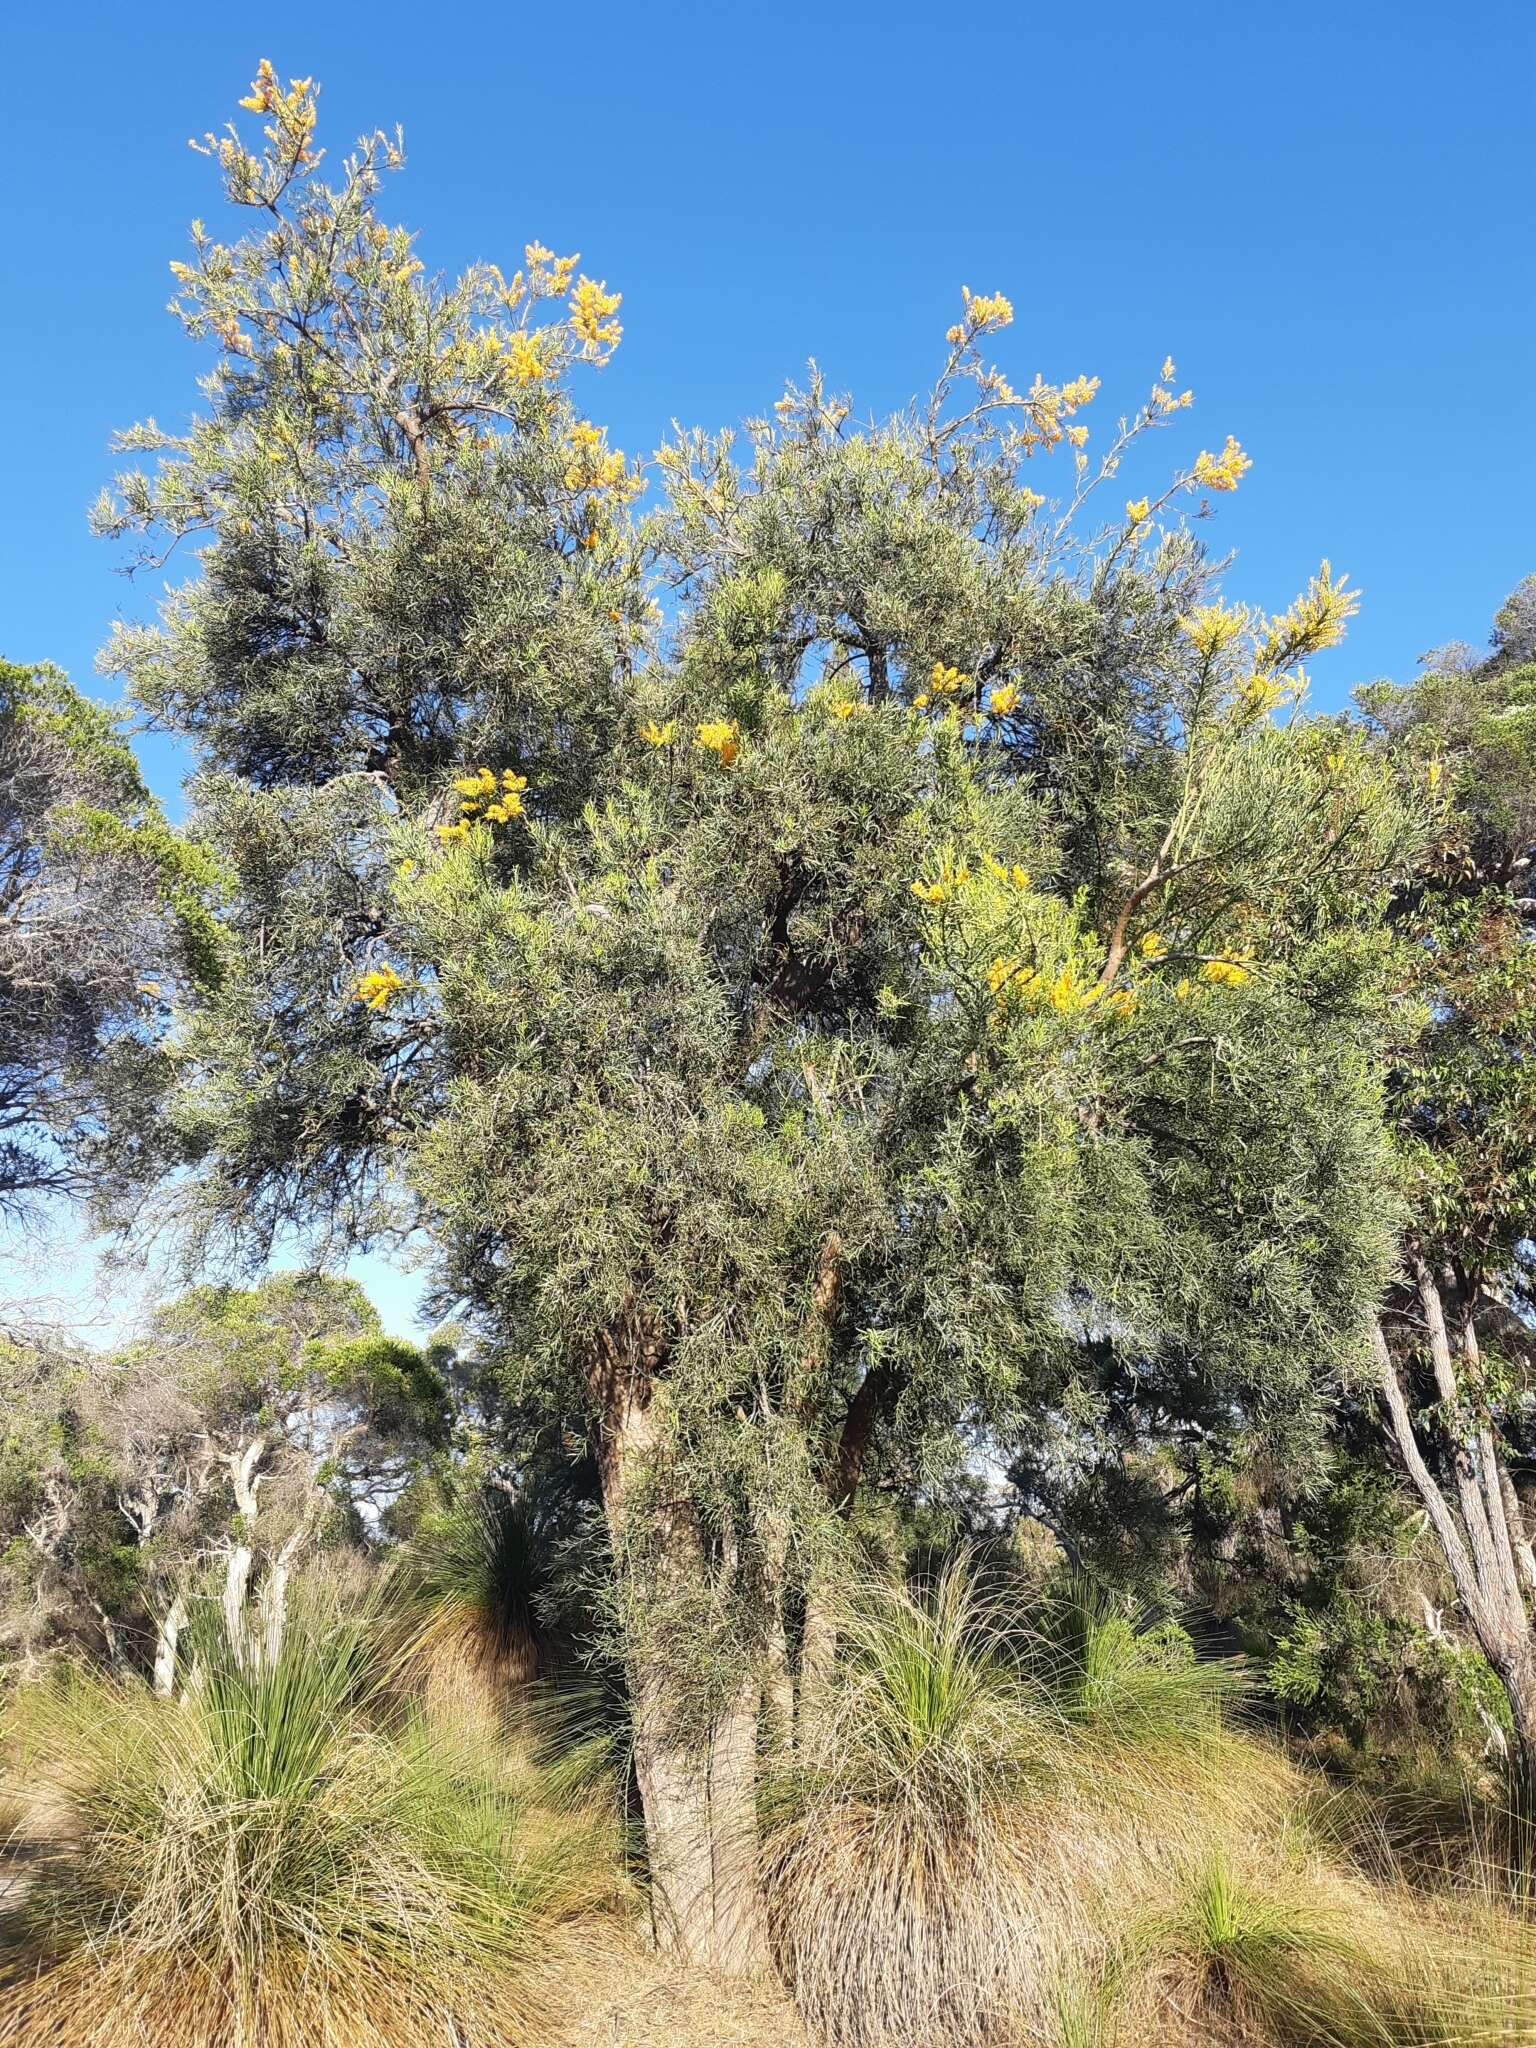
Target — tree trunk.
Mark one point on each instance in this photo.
(698, 1799)
(1483, 1544)
(841, 1474)
(167, 1638)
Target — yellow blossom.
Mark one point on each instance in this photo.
(1227, 971)
(592, 308)
(1005, 699)
(1080, 391)
(945, 681)
(1078, 436)
(931, 893)
(719, 739)
(656, 735)
(1068, 994)
(525, 359)
(452, 835)
(376, 989)
(1153, 946)
(1122, 1002)
(1212, 627)
(1008, 974)
(1261, 694)
(1432, 774)
(1167, 371)
(1182, 991)
(1316, 620)
(983, 312)
(1223, 472)
(1137, 509)
(845, 707)
(921, 701)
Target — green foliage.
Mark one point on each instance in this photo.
(103, 913)
(986, 1844)
(276, 1845)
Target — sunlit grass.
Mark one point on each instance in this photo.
(1054, 1836)
(286, 1856)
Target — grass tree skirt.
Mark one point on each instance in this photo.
(1055, 1840)
(286, 1854)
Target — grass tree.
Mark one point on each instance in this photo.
(795, 1029)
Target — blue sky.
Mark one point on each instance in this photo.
(1323, 213)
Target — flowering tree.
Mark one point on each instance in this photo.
(799, 1031)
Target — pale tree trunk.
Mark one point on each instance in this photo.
(272, 1601)
(1481, 1536)
(167, 1639)
(698, 1800)
(237, 1566)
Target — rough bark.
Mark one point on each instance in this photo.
(698, 1800)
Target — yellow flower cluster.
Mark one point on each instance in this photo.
(524, 362)
(1016, 876)
(294, 111)
(1316, 620)
(983, 313)
(592, 467)
(944, 682)
(717, 738)
(1229, 970)
(1262, 694)
(1008, 973)
(847, 707)
(592, 310)
(1153, 946)
(656, 735)
(377, 988)
(1434, 770)
(1004, 700)
(549, 275)
(1212, 627)
(1223, 472)
(1137, 509)
(1049, 406)
(483, 798)
(1069, 993)
(952, 875)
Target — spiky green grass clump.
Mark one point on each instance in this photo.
(275, 1859)
(472, 1584)
(1054, 1838)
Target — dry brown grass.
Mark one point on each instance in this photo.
(624, 1994)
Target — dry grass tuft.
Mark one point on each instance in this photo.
(1056, 1841)
(276, 1859)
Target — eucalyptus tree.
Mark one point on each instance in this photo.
(795, 1028)
(1454, 1346)
(101, 910)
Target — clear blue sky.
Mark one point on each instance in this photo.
(1323, 212)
